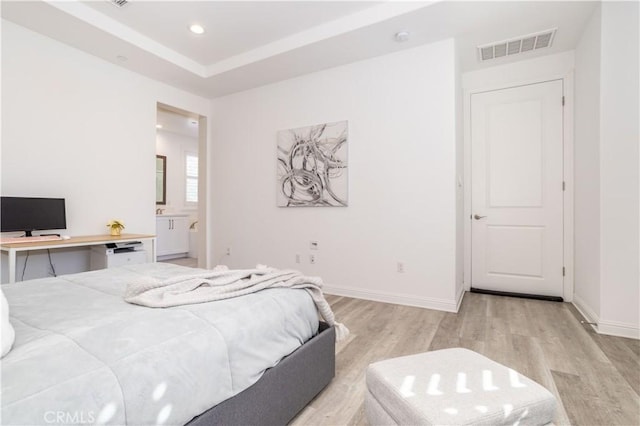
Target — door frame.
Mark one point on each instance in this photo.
(567, 162)
(204, 202)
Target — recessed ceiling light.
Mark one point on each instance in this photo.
(402, 36)
(196, 29)
(158, 126)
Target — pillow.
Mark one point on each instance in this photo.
(7, 334)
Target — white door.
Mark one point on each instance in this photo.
(517, 185)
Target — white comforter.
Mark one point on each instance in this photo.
(210, 286)
(83, 355)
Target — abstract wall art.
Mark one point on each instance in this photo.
(312, 166)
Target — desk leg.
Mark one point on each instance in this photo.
(12, 266)
(153, 250)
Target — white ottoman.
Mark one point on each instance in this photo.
(453, 387)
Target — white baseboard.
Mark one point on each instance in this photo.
(170, 256)
(398, 299)
(620, 329)
(586, 311)
(611, 328)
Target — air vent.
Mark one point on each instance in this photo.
(118, 3)
(516, 45)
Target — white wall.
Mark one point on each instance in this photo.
(525, 71)
(402, 167)
(174, 146)
(78, 127)
(619, 169)
(587, 170)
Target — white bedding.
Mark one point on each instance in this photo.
(83, 355)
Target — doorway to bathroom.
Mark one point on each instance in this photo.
(179, 185)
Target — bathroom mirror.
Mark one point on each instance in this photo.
(161, 179)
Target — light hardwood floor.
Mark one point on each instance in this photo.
(595, 378)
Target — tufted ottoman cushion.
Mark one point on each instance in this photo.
(453, 386)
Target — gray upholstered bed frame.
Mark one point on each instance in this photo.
(283, 390)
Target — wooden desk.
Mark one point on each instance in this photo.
(82, 241)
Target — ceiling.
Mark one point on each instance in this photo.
(176, 121)
(250, 43)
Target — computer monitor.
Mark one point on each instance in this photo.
(29, 214)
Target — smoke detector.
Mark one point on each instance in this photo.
(513, 46)
(118, 3)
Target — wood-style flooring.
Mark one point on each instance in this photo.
(190, 262)
(595, 378)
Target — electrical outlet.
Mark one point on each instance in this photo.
(228, 251)
(297, 258)
(312, 259)
(401, 267)
(313, 245)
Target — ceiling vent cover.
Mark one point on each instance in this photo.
(516, 45)
(118, 3)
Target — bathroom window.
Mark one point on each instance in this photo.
(191, 168)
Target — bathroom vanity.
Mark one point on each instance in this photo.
(172, 233)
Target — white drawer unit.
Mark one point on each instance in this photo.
(172, 233)
(102, 259)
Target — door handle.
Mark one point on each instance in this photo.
(477, 217)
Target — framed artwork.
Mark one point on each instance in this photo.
(312, 166)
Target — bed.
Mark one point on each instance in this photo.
(83, 355)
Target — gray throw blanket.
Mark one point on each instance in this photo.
(223, 283)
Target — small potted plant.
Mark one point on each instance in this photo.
(116, 227)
